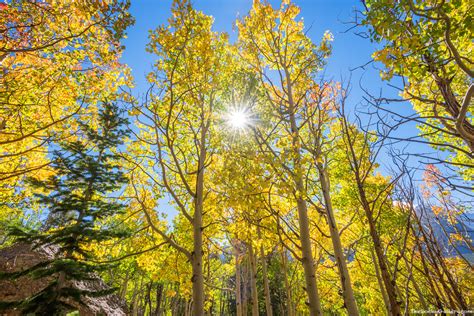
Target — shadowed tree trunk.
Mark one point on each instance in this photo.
(159, 297)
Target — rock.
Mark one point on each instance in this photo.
(20, 256)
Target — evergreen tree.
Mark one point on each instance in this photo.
(78, 195)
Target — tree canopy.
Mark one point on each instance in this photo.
(237, 178)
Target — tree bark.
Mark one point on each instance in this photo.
(453, 293)
(148, 301)
(253, 280)
(159, 296)
(123, 290)
(307, 260)
(198, 278)
(134, 295)
(385, 273)
(266, 286)
(347, 292)
(389, 285)
(238, 287)
(245, 273)
(380, 282)
(289, 301)
(415, 284)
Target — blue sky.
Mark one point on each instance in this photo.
(349, 50)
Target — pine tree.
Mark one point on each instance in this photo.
(78, 196)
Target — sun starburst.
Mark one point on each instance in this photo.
(238, 118)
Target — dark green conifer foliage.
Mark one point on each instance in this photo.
(77, 196)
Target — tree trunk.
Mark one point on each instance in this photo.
(123, 290)
(347, 292)
(455, 297)
(245, 285)
(439, 300)
(148, 298)
(380, 282)
(222, 297)
(134, 296)
(385, 273)
(307, 259)
(238, 286)
(289, 301)
(253, 280)
(198, 278)
(159, 296)
(314, 303)
(389, 285)
(415, 284)
(266, 286)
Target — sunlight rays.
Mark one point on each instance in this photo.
(239, 119)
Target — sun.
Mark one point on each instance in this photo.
(238, 118)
